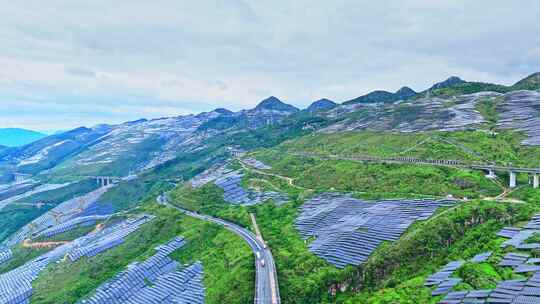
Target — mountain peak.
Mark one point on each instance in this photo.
(405, 93)
(384, 96)
(273, 103)
(223, 111)
(321, 104)
(451, 81)
(405, 90)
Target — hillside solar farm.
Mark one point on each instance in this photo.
(347, 231)
(525, 289)
(156, 280)
(16, 285)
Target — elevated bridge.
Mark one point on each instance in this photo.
(104, 181)
(490, 169)
(21, 177)
(534, 173)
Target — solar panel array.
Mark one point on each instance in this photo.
(511, 292)
(5, 255)
(252, 162)
(211, 174)
(523, 291)
(508, 232)
(442, 279)
(109, 237)
(98, 208)
(521, 110)
(348, 230)
(70, 225)
(513, 259)
(517, 237)
(16, 285)
(159, 279)
(59, 214)
(234, 193)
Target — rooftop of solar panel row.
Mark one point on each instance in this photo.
(348, 230)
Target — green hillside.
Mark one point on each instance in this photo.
(226, 258)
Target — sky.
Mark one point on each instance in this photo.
(66, 63)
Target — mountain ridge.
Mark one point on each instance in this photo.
(106, 147)
(13, 137)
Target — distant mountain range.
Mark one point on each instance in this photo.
(14, 137)
(141, 145)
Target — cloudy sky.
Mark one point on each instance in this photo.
(66, 63)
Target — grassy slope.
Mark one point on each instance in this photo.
(373, 180)
(301, 273)
(226, 258)
(472, 146)
(304, 278)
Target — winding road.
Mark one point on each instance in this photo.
(266, 281)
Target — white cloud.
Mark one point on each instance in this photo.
(103, 61)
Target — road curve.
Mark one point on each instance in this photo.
(266, 287)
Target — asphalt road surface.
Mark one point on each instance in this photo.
(266, 283)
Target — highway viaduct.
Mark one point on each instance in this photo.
(491, 170)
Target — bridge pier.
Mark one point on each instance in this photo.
(104, 181)
(536, 181)
(513, 182)
(491, 174)
(20, 177)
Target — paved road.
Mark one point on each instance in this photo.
(266, 287)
